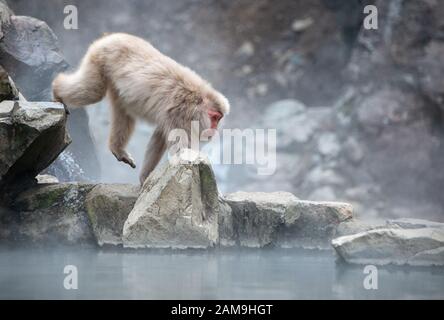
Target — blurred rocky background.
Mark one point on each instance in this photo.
(358, 112)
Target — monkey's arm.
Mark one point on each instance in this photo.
(154, 152)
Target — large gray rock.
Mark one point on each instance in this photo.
(258, 217)
(108, 207)
(30, 54)
(178, 207)
(32, 135)
(316, 226)
(279, 219)
(68, 213)
(418, 247)
(52, 214)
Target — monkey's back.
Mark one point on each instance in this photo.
(145, 81)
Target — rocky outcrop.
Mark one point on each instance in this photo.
(419, 247)
(32, 135)
(178, 207)
(279, 219)
(317, 224)
(405, 241)
(68, 214)
(52, 214)
(30, 54)
(258, 217)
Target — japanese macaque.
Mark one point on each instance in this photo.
(141, 83)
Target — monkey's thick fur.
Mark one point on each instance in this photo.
(143, 83)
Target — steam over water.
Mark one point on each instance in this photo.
(249, 274)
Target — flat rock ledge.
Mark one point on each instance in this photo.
(179, 207)
(280, 219)
(412, 242)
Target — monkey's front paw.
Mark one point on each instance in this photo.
(126, 158)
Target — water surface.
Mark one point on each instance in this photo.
(36, 273)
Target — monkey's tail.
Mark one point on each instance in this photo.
(81, 88)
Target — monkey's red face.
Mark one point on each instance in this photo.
(211, 123)
(215, 117)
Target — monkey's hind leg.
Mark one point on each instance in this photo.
(122, 126)
(154, 152)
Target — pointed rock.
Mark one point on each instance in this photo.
(178, 206)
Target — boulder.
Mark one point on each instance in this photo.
(108, 207)
(52, 214)
(178, 206)
(257, 217)
(32, 135)
(280, 219)
(30, 54)
(316, 226)
(418, 247)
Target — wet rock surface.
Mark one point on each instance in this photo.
(280, 219)
(257, 218)
(32, 135)
(417, 247)
(108, 207)
(414, 242)
(52, 214)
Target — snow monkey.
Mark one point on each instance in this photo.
(141, 83)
